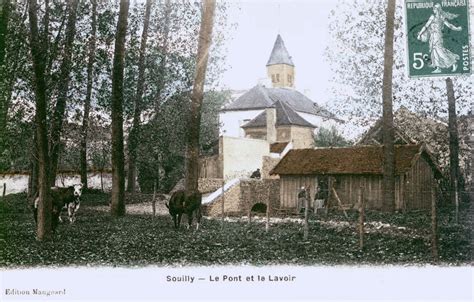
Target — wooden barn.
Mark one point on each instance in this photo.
(348, 169)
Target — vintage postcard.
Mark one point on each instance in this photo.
(236, 150)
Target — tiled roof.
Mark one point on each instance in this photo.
(260, 97)
(352, 160)
(285, 116)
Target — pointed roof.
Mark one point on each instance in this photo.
(279, 54)
(285, 116)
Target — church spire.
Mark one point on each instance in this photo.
(280, 67)
(279, 53)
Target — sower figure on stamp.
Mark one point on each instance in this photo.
(432, 32)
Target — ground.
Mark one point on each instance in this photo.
(138, 239)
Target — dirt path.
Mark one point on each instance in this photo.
(137, 208)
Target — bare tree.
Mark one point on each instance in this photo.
(387, 128)
(65, 70)
(44, 226)
(87, 101)
(117, 207)
(192, 150)
(135, 131)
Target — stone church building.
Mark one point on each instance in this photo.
(258, 128)
(278, 113)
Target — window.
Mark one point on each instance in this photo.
(273, 78)
(290, 79)
(278, 77)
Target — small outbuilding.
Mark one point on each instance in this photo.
(348, 169)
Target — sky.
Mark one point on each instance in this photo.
(303, 27)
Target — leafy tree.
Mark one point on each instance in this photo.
(87, 102)
(135, 129)
(330, 138)
(63, 89)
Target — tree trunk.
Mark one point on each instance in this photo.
(4, 18)
(135, 131)
(44, 226)
(87, 101)
(453, 141)
(387, 128)
(434, 224)
(117, 207)
(192, 150)
(33, 185)
(65, 70)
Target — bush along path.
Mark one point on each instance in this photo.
(138, 239)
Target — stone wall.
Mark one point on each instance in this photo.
(240, 198)
(210, 166)
(255, 191)
(286, 75)
(268, 164)
(302, 137)
(242, 156)
(208, 185)
(231, 204)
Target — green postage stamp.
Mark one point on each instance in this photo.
(438, 37)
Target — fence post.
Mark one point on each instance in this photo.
(267, 225)
(361, 217)
(4, 189)
(456, 199)
(434, 224)
(222, 205)
(153, 202)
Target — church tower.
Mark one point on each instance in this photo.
(280, 67)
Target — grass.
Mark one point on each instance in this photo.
(97, 239)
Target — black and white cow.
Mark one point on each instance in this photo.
(62, 198)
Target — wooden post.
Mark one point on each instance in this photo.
(222, 205)
(361, 217)
(306, 211)
(4, 189)
(434, 225)
(339, 202)
(153, 202)
(267, 224)
(456, 200)
(101, 181)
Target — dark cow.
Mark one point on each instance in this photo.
(68, 198)
(180, 204)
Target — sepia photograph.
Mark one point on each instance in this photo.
(236, 150)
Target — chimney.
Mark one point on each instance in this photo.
(271, 124)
